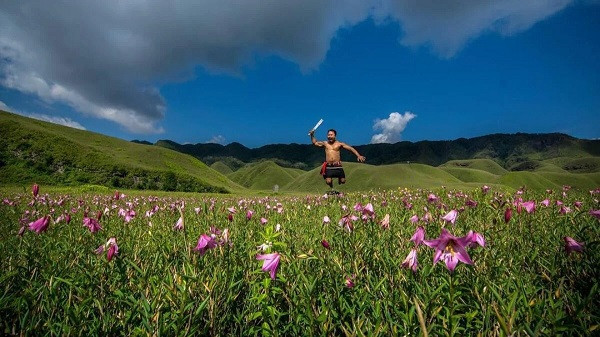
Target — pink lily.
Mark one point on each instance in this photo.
(205, 243)
(35, 189)
(471, 203)
(270, 263)
(449, 248)
(92, 224)
(414, 219)
(451, 216)
(411, 260)
(325, 244)
(476, 239)
(179, 224)
(349, 282)
(545, 202)
(572, 246)
(113, 248)
(595, 213)
(368, 210)
(419, 235)
(507, 214)
(110, 246)
(249, 214)
(346, 223)
(385, 223)
(326, 220)
(529, 206)
(40, 225)
(564, 210)
(432, 197)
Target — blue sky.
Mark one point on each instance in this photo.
(418, 72)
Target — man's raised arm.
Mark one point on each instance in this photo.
(314, 140)
(353, 150)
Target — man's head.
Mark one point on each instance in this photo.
(331, 134)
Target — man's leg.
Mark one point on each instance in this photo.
(341, 181)
(329, 182)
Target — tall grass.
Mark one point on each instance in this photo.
(521, 283)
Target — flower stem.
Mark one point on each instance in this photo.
(450, 320)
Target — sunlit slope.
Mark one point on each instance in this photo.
(577, 165)
(486, 165)
(471, 175)
(221, 167)
(366, 177)
(33, 150)
(264, 175)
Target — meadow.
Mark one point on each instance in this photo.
(509, 262)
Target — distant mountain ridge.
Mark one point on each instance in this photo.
(511, 151)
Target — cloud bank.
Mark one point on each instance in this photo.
(108, 59)
(391, 127)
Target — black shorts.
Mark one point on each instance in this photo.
(334, 172)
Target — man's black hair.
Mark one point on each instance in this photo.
(334, 132)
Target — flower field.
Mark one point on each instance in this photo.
(401, 262)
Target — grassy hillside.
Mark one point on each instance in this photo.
(37, 151)
(264, 175)
(486, 165)
(471, 175)
(577, 165)
(365, 177)
(221, 167)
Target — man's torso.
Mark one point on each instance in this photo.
(332, 151)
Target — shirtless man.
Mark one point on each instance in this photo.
(332, 167)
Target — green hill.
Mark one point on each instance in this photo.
(471, 175)
(264, 175)
(487, 165)
(577, 165)
(46, 153)
(365, 177)
(221, 167)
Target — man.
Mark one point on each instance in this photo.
(332, 167)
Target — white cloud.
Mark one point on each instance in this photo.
(218, 139)
(107, 59)
(391, 127)
(47, 118)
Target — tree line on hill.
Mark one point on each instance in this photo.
(508, 150)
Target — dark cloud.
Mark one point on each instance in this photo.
(105, 58)
(446, 26)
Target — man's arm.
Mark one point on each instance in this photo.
(353, 150)
(314, 140)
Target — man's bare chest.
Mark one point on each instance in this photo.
(333, 147)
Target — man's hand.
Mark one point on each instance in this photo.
(361, 159)
(311, 133)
